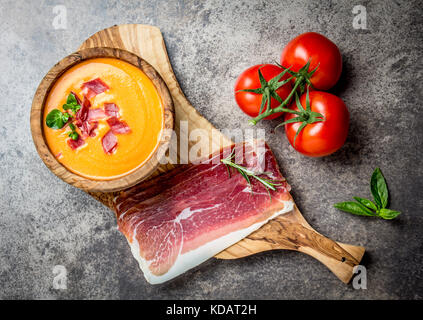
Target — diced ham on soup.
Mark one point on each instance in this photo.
(75, 144)
(88, 128)
(82, 113)
(95, 114)
(111, 110)
(94, 87)
(109, 142)
(117, 126)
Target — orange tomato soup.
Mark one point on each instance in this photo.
(140, 106)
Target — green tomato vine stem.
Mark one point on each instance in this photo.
(302, 79)
(281, 107)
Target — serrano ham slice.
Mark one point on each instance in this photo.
(178, 220)
(94, 87)
(82, 114)
(111, 110)
(75, 144)
(88, 128)
(109, 142)
(117, 126)
(95, 114)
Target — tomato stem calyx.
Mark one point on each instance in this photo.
(304, 74)
(302, 78)
(306, 116)
(268, 90)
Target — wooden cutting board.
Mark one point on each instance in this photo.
(289, 231)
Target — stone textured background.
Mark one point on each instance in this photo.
(45, 222)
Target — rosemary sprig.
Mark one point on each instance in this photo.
(246, 173)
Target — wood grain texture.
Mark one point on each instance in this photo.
(290, 231)
(37, 120)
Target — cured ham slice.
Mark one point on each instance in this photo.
(94, 87)
(75, 144)
(111, 110)
(117, 126)
(82, 113)
(109, 142)
(88, 128)
(95, 114)
(178, 220)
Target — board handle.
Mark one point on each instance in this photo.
(338, 257)
(282, 233)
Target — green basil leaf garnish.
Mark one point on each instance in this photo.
(73, 107)
(73, 135)
(354, 208)
(388, 214)
(71, 99)
(65, 117)
(366, 207)
(71, 104)
(366, 202)
(55, 119)
(379, 188)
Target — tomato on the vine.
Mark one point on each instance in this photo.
(322, 53)
(316, 124)
(322, 125)
(251, 102)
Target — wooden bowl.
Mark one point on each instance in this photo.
(37, 119)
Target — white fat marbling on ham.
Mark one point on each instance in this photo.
(187, 212)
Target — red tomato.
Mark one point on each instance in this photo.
(320, 138)
(322, 52)
(250, 102)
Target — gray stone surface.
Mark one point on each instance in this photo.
(45, 222)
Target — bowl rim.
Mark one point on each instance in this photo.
(37, 111)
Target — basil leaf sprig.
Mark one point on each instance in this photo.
(246, 173)
(73, 134)
(366, 207)
(71, 104)
(57, 119)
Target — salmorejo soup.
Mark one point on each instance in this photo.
(103, 118)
